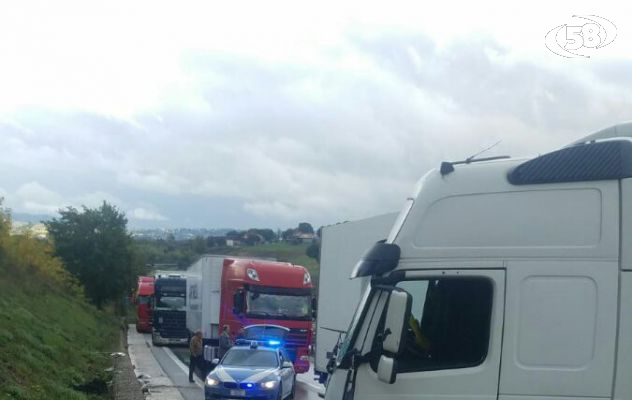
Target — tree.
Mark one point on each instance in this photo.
(267, 234)
(199, 245)
(287, 234)
(313, 251)
(97, 250)
(305, 227)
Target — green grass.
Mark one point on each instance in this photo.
(50, 343)
(281, 251)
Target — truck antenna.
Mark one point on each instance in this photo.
(447, 167)
(471, 158)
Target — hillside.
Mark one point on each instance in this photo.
(53, 344)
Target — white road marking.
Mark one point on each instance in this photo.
(182, 366)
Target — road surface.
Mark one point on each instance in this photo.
(174, 363)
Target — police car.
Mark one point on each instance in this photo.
(252, 370)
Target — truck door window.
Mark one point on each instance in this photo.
(449, 326)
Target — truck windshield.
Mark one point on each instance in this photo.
(170, 303)
(278, 305)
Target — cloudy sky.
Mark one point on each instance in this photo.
(233, 114)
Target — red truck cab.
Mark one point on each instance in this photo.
(257, 293)
(143, 297)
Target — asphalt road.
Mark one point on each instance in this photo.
(174, 361)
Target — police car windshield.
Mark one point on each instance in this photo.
(250, 358)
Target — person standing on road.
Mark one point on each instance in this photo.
(224, 341)
(196, 349)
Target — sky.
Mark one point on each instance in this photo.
(265, 114)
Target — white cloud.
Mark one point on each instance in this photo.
(35, 198)
(324, 113)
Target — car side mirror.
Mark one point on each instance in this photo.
(215, 361)
(238, 302)
(397, 316)
(286, 364)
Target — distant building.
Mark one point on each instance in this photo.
(37, 231)
(234, 242)
(304, 237)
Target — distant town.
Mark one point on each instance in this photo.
(304, 233)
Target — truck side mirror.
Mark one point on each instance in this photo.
(314, 307)
(397, 316)
(238, 302)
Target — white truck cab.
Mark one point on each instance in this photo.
(505, 279)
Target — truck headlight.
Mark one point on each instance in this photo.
(211, 381)
(269, 384)
(252, 274)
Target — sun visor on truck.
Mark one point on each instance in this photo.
(379, 259)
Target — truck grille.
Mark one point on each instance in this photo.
(174, 324)
(296, 338)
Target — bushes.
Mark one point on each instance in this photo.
(53, 344)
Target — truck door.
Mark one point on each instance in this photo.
(560, 330)
(452, 341)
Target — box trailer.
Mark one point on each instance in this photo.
(342, 246)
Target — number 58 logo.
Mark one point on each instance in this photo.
(565, 40)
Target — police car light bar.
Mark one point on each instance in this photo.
(255, 343)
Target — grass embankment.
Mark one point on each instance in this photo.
(53, 344)
(281, 251)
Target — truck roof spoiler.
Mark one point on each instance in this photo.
(590, 161)
(622, 130)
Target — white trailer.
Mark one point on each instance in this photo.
(342, 246)
(507, 279)
(203, 299)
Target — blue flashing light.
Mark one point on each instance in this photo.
(249, 385)
(274, 342)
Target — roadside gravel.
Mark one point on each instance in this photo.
(125, 384)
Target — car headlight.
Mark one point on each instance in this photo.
(211, 381)
(269, 384)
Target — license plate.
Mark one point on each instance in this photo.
(238, 392)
